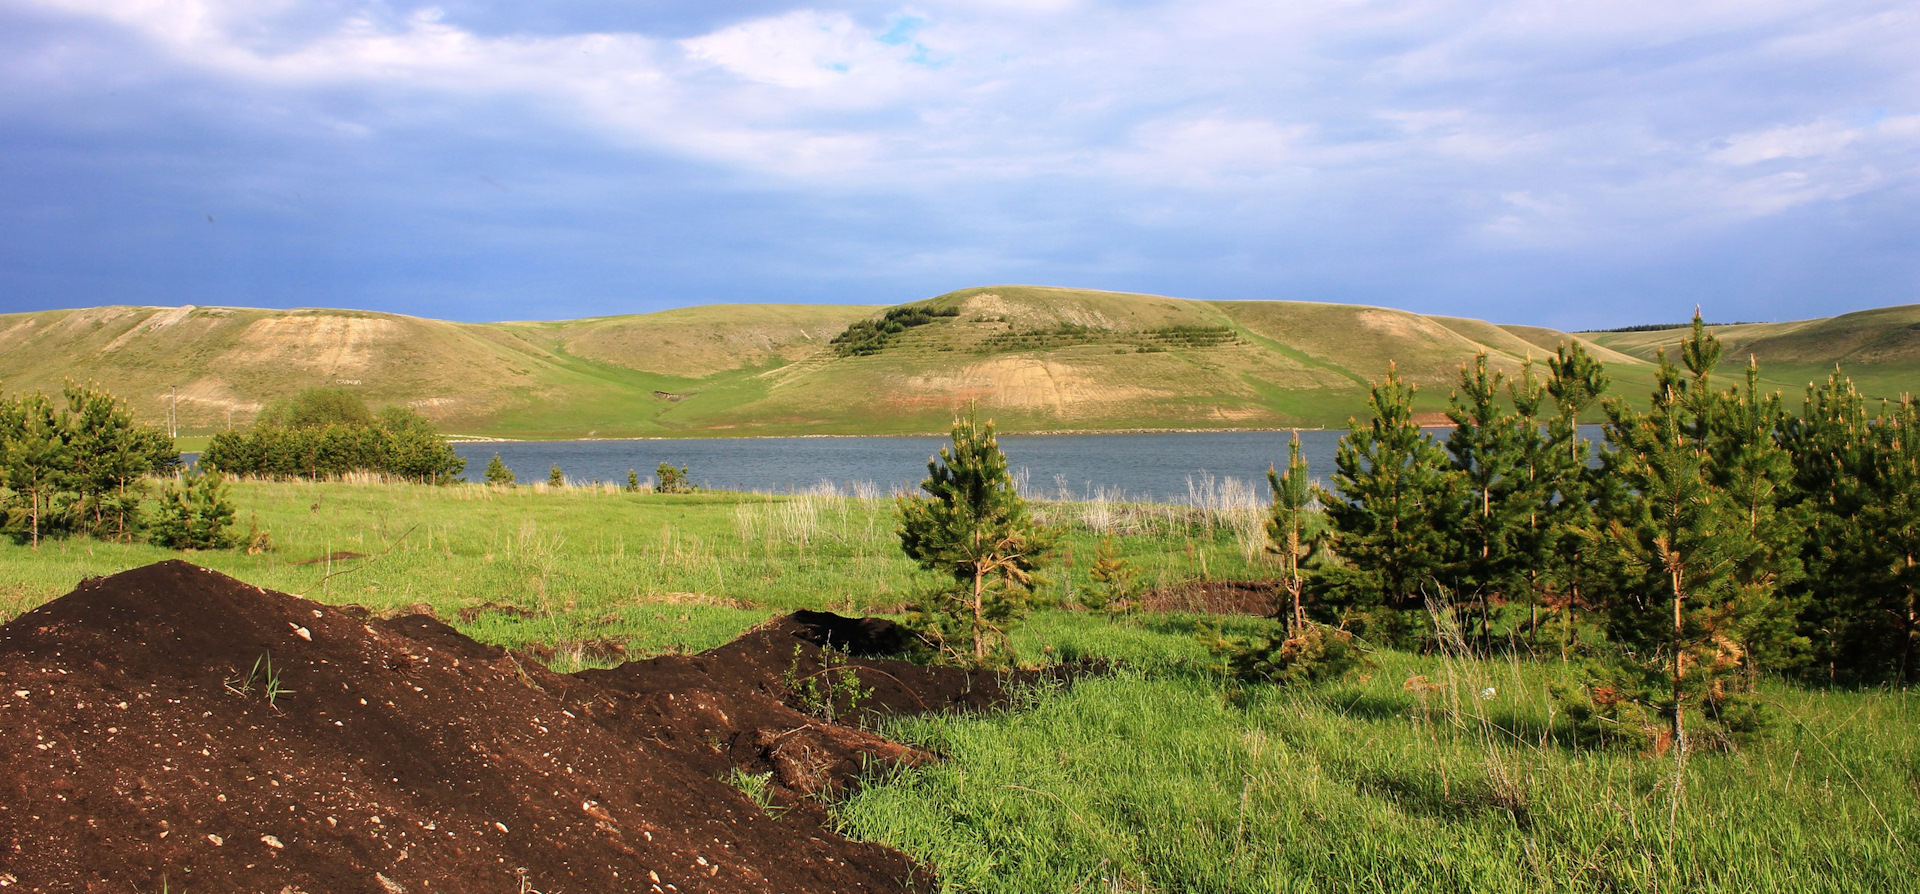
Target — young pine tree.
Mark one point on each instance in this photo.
(1493, 452)
(1396, 498)
(111, 455)
(1756, 472)
(974, 527)
(498, 474)
(197, 515)
(1857, 490)
(1290, 534)
(1895, 523)
(1115, 580)
(1577, 383)
(37, 460)
(1686, 601)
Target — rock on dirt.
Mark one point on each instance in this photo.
(171, 724)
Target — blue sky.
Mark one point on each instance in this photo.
(1553, 163)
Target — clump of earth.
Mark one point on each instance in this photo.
(172, 727)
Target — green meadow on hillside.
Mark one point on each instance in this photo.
(1425, 773)
(1038, 358)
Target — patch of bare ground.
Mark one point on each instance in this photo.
(1228, 597)
(171, 725)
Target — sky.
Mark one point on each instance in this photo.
(1545, 162)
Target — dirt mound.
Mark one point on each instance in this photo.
(171, 723)
(790, 697)
(1260, 598)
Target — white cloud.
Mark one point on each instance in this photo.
(1606, 108)
(805, 50)
(1818, 138)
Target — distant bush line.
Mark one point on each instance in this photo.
(870, 336)
(1661, 327)
(1145, 341)
(325, 433)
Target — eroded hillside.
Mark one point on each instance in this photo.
(1035, 358)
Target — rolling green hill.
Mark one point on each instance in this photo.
(1879, 349)
(1033, 358)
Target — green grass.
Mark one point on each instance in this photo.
(1162, 777)
(656, 572)
(1165, 778)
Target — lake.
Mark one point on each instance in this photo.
(1181, 467)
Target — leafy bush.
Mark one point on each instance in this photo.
(672, 480)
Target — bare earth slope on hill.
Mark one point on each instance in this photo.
(171, 724)
(1035, 358)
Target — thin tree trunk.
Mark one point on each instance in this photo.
(979, 618)
(1679, 724)
(1913, 622)
(1679, 721)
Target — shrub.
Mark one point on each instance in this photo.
(672, 480)
(871, 336)
(195, 515)
(498, 473)
(397, 442)
(1115, 580)
(1313, 653)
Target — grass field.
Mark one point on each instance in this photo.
(1165, 779)
(655, 571)
(1426, 774)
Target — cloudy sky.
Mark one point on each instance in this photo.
(1570, 164)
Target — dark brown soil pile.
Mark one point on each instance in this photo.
(1227, 597)
(171, 723)
(789, 698)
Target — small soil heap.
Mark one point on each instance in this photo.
(171, 723)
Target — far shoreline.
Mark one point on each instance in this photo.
(1051, 433)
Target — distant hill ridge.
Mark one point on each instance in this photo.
(1034, 358)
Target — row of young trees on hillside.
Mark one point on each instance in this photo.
(327, 432)
(77, 463)
(1717, 537)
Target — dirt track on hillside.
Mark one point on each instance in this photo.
(144, 740)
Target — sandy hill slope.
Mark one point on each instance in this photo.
(1034, 358)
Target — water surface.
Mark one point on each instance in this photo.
(1170, 467)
